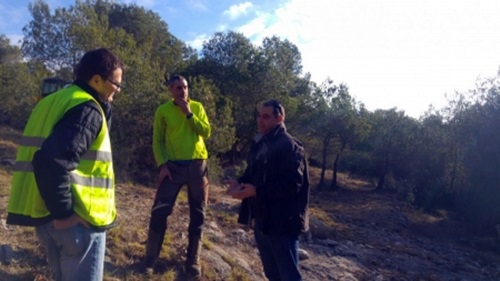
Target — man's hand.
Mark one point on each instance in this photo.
(233, 186)
(244, 190)
(164, 172)
(69, 222)
(184, 106)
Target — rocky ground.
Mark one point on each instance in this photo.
(381, 240)
(356, 234)
(374, 237)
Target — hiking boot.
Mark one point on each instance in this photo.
(149, 272)
(192, 264)
(149, 264)
(193, 270)
(153, 247)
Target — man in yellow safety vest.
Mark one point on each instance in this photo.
(63, 182)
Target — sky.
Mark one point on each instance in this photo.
(404, 54)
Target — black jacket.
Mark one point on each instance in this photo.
(61, 151)
(276, 165)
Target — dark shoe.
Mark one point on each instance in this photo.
(192, 264)
(149, 272)
(149, 264)
(193, 270)
(153, 245)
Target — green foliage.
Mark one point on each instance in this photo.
(18, 93)
(477, 187)
(218, 109)
(391, 143)
(358, 162)
(433, 165)
(229, 61)
(333, 125)
(247, 75)
(19, 84)
(46, 38)
(134, 110)
(219, 112)
(8, 54)
(151, 35)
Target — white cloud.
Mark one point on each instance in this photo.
(222, 27)
(236, 11)
(199, 5)
(197, 43)
(256, 28)
(390, 53)
(296, 21)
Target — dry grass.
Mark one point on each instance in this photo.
(8, 147)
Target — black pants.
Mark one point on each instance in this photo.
(194, 174)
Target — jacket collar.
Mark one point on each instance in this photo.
(106, 106)
(278, 130)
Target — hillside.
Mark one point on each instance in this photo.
(356, 234)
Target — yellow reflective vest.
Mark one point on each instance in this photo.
(93, 181)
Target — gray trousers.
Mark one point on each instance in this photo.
(194, 174)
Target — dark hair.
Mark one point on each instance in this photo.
(278, 109)
(174, 78)
(99, 61)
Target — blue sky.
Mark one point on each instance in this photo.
(391, 53)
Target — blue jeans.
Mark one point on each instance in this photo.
(279, 255)
(75, 253)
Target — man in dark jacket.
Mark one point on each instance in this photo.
(275, 192)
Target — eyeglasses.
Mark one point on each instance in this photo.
(118, 86)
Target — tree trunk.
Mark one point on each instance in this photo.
(455, 168)
(333, 185)
(234, 150)
(381, 181)
(385, 168)
(323, 164)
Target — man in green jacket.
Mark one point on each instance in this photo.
(180, 127)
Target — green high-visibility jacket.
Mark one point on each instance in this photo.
(177, 138)
(93, 181)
